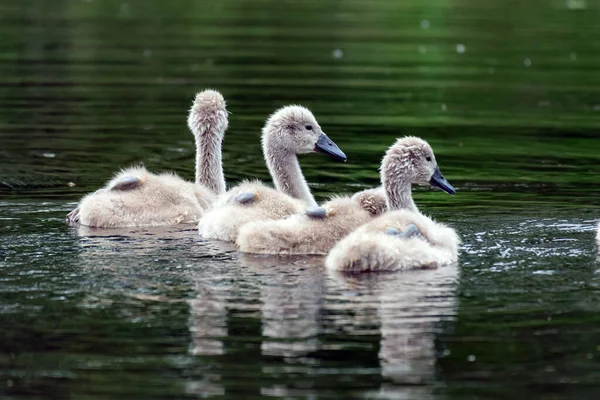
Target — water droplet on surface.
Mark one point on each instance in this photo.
(337, 54)
(444, 107)
(544, 103)
(124, 10)
(147, 53)
(576, 4)
(573, 56)
(48, 155)
(425, 24)
(460, 48)
(471, 358)
(422, 49)
(527, 62)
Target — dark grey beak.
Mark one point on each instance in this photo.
(326, 146)
(438, 180)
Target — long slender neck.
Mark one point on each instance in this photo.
(398, 195)
(209, 168)
(287, 175)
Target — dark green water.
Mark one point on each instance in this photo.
(507, 93)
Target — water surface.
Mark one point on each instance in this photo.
(506, 92)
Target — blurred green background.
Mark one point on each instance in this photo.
(505, 91)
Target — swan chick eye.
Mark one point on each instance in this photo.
(428, 158)
(308, 127)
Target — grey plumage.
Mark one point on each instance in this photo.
(137, 197)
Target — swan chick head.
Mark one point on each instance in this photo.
(411, 159)
(208, 114)
(294, 129)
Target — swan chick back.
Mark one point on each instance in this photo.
(158, 199)
(316, 234)
(137, 197)
(370, 248)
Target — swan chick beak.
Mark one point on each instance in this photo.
(438, 180)
(326, 146)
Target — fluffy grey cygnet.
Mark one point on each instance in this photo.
(402, 238)
(290, 131)
(137, 197)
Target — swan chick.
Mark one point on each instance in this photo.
(137, 197)
(409, 161)
(402, 238)
(314, 231)
(397, 241)
(290, 131)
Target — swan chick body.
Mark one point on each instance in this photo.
(290, 131)
(372, 247)
(226, 217)
(137, 197)
(402, 238)
(313, 232)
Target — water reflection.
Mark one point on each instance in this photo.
(208, 320)
(503, 90)
(410, 307)
(298, 303)
(208, 328)
(291, 296)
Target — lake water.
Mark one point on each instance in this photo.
(506, 92)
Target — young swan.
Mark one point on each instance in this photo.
(314, 231)
(137, 197)
(404, 238)
(289, 131)
(410, 160)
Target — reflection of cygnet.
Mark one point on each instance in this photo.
(410, 312)
(410, 308)
(291, 297)
(208, 321)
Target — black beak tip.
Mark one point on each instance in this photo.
(326, 146)
(437, 180)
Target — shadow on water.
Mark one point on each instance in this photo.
(506, 93)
